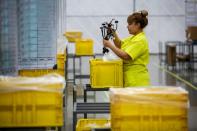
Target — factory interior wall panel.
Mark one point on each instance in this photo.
(98, 7)
(162, 7)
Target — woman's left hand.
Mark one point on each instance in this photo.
(106, 43)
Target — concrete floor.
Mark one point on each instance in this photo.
(159, 77)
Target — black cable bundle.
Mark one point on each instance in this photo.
(107, 30)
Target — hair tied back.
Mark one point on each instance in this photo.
(144, 13)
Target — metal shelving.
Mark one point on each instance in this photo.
(37, 33)
(8, 37)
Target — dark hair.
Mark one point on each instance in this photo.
(139, 17)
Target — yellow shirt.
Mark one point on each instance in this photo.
(135, 70)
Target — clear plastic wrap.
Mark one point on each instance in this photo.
(31, 102)
(61, 45)
(150, 108)
(47, 83)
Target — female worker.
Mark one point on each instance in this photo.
(133, 50)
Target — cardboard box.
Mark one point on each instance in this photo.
(191, 32)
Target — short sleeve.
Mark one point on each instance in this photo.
(136, 49)
(125, 40)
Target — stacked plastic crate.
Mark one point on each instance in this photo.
(149, 109)
(8, 36)
(37, 33)
(31, 102)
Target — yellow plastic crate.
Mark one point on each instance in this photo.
(39, 72)
(84, 47)
(31, 102)
(61, 61)
(73, 35)
(88, 124)
(153, 123)
(161, 108)
(106, 73)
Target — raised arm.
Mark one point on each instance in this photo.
(122, 54)
(116, 40)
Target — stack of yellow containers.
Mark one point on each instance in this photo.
(31, 102)
(149, 109)
(61, 60)
(83, 47)
(71, 36)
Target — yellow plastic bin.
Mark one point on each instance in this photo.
(61, 58)
(106, 73)
(149, 109)
(71, 36)
(39, 72)
(88, 124)
(31, 102)
(84, 47)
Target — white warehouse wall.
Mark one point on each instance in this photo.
(166, 19)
